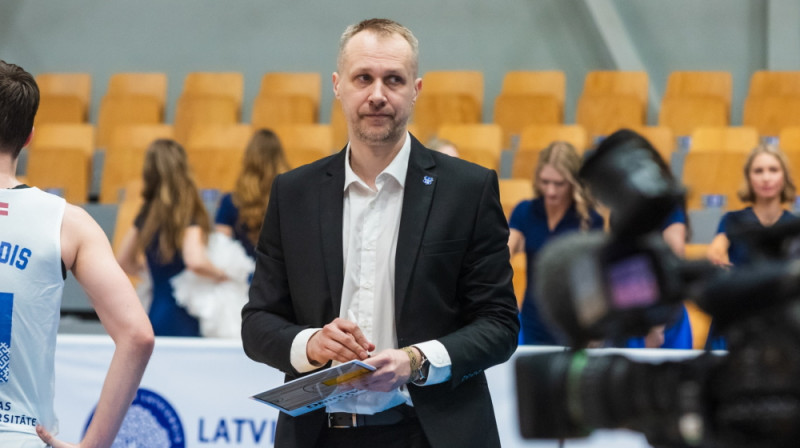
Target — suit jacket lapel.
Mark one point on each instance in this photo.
(417, 199)
(331, 196)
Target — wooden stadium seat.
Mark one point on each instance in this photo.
(545, 82)
(696, 251)
(616, 82)
(215, 154)
(125, 110)
(294, 84)
(339, 125)
(603, 115)
(519, 264)
(536, 138)
(77, 85)
(476, 143)
(140, 84)
(60, 109)
(770, 114)
(512, 112)
(124, 157)
(724, 138)
(201, 111)
(789, 139)
(448, 97)
(529, 97)
(305, 143)
(514, 191)
(771, 83)
(127, 211)
(66, 169)
(661, 137)
(685, 114)
(693, 84)
(270, 110)
(713, 172)
(700, 322)
(223, 84)
(69, 136)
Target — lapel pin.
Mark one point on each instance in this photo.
(427, 180)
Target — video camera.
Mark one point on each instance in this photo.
(599, 287)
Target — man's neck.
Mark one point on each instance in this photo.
(367, 161)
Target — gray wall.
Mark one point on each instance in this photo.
(257, 36)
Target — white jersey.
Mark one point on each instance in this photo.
(31, 285)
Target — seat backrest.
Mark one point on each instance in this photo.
(126, 110)
(769, 83)
(477, 143)
(789, 139)
(305, 143)
(616, 82)
(685, 114)
(192, 111)
(56, 136)
(132, 83)
(724, 138)
(60, 109)
(454, 82)
(67, 84)
(223, 84)
(715, 84)
(515, 111)
(270, 110)
(770, 114)
(66, 169)
(514, 191)
(306, 84)
(546, 83)
(339, 125)
(661, 137)
(435, 110)
(603, 115)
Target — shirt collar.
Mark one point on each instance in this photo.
(396, 169)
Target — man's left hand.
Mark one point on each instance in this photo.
(393, 369)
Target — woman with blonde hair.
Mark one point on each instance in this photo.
(241, 212)
(171, 230)
(768, 186)
(560, 205)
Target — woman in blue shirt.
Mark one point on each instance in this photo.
(171, 230)
(560, 205)
(241, 212)
(768, 186)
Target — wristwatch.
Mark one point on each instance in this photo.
(421, 373)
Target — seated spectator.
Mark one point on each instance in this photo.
(560, 206)
(171, 230)
(768, 186)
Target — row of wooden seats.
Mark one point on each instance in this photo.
(610, 100)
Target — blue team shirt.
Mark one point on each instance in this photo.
(530, 218)
(738, 255)
(228, 214)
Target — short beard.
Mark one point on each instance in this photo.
(391, 135)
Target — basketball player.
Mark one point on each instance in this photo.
(41, 237)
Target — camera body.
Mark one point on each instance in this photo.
(597, 286)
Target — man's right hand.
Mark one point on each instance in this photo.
(340, 340)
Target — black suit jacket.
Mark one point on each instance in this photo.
(452, 283)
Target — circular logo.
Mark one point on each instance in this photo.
(150, 422)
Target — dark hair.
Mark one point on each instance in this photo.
(19, 101)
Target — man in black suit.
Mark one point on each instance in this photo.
(390, 253)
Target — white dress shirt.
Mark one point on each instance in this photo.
(371, 224)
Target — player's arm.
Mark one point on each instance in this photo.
(87, 253)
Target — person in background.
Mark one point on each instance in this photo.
(241, 212)
(171, 230)
(43, 238)
(444, 147)
(560, 205)
(768, 186)
(388, 253)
